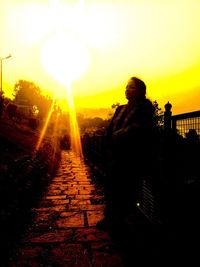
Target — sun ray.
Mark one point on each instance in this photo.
(66, 58)
(55, 134)
(74, 129)
(44, 129)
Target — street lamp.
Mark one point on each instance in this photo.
(1, 59)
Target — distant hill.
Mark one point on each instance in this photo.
(92, 113)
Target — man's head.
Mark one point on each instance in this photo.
(135, 88)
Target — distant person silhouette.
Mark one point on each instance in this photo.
(129, 152)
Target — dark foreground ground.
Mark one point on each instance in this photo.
(62, 231)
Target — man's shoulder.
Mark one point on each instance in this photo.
(120, 107)
(148, 103)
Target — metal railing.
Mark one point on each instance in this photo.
(183, 123)
(180, 156)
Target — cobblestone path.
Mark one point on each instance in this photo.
(63, 232)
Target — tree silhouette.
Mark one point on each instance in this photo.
(26, 92)
(158, 115)
(29, 94)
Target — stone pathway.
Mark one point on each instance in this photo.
(63, 232)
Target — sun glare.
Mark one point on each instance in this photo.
(64, 58)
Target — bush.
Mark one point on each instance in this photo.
(22, 184)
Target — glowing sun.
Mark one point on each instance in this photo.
(64, 58)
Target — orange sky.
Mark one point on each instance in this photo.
(97, 45)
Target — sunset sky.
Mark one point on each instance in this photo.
(96, 45)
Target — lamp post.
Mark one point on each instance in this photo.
(1, 59)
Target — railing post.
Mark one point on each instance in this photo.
(167, 117)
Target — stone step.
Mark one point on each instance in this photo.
(63, 231)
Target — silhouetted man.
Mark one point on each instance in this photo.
(129, 146)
